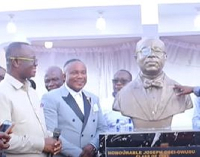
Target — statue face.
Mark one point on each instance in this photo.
(151, 56)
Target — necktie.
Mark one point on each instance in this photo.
(153, 83)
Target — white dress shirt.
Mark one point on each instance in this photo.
(78, 96)
(20, 104)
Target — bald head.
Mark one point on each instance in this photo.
(54, 78)
(150, 42)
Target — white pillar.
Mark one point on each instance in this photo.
(149, 18)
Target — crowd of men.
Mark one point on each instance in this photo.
(146, 102)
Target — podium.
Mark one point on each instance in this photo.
(154, 143)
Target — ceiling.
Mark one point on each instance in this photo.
(87, 42)
(69, 26)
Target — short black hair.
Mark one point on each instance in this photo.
(13, 48)
(70, 61)
(130, 75)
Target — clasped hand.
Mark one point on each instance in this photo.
(4, 139)
(88, 151)
(52, 146)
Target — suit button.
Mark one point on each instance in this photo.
(82, 135)
(73, 120)
(91, 135)
(93, 120)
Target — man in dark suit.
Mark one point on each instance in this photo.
(76, 112)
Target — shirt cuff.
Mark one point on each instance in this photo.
(94, 149)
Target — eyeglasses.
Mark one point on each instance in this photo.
(122, 81)
(148, 51)
(34, 60)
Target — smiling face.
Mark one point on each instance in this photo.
(151, 56)
(53, 78)
(76, 75)
(121, 78)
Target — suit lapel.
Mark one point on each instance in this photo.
(167, 92)
(74, 106)
(140, 96)
(87, 107)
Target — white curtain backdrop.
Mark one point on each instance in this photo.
(101, 62)
(183, 65)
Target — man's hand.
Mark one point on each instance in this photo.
(52, 146)
(183, 90)
(88, 151)
(4, 139)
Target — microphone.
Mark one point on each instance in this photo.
(56, 134)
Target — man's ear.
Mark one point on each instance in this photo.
(15, 63)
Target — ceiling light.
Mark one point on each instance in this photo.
(197, 19)
(11, 27)
(101, 22)
(48, 44)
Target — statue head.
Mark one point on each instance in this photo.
(151, 56)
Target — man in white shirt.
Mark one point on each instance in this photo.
(115, 120)
(20, 104)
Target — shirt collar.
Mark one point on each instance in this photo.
(72, 92)
(16, 83)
